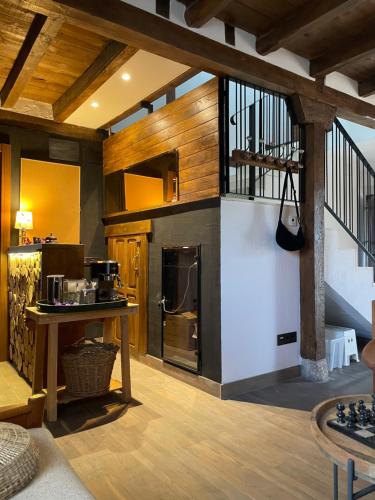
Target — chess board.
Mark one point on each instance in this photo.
(363, 434)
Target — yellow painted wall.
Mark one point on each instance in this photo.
(142, 192)
(51, 191)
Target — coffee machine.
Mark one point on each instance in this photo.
(105, 273)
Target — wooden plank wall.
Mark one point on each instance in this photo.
(189, 124)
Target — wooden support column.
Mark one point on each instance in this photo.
(317, 118)
(5, 177)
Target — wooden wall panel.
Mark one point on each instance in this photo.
(190, 125)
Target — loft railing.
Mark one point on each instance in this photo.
(350, 190)
(257, 120)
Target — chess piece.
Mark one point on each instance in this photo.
(372, 418)
(361, 405)
(353, 411)
(363, 418)
(352, 419)
(373, 402)
(340, 413)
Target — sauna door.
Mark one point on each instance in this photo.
(131, 253)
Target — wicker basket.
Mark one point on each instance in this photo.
(88, 368)
(19, 458)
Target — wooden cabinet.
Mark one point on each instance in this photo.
(131, 251)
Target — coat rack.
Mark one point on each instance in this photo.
(239, 156)
(267, 160)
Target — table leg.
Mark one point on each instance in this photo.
(335, 483)
(39, 354)
(53, 330)
(350, 478)
(125, 360)
(108, 330)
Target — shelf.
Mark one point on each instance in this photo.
(63, 397)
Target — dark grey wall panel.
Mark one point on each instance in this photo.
(200, 227)
(35, 145)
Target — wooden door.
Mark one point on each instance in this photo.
(132, 254)
(5, 174)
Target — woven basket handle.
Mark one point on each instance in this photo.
(82, 340)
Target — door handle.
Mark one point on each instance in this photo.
(136, 258)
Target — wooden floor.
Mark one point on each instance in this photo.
(183, 443)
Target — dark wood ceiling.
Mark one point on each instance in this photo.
(335, 35)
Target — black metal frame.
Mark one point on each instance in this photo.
(350, 182)
(260, 112)
(198, 371)
(351, 478)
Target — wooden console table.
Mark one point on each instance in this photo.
(52, 321)
(345, 452)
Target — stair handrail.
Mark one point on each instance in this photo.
(368, 165)
(371, 171)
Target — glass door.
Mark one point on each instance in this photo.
(180, 293)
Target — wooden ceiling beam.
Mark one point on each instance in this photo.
(352, 51)
(120, 21)
(123, 22)
(366, 88)
(39, 37)
(110, 60)
(199, 12)
(311, 14)
(11, 118)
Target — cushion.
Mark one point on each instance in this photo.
(19, 458)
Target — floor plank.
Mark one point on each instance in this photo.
(182, 443)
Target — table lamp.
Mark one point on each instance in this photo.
(24, 220)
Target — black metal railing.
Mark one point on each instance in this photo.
(257, 120)
(350, 190)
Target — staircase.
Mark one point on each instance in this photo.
(349, 234)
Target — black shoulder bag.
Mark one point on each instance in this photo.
(284, 238)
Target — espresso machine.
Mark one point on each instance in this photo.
(105, 273)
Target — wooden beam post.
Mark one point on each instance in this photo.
(39, 37)
(366, 88)
(310, 14)
(121, 21)
(317, 118)
(199, 12)
(110, 60)
(14, 119)
(347, 53)
(5, 175)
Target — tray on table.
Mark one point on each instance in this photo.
(44, 306)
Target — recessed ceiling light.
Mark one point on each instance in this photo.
(94, 104)
(126, 77)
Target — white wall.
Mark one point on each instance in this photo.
(341, 271)
(259, 291)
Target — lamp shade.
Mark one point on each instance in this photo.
(24, 220)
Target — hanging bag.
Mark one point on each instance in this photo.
(284, 238)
